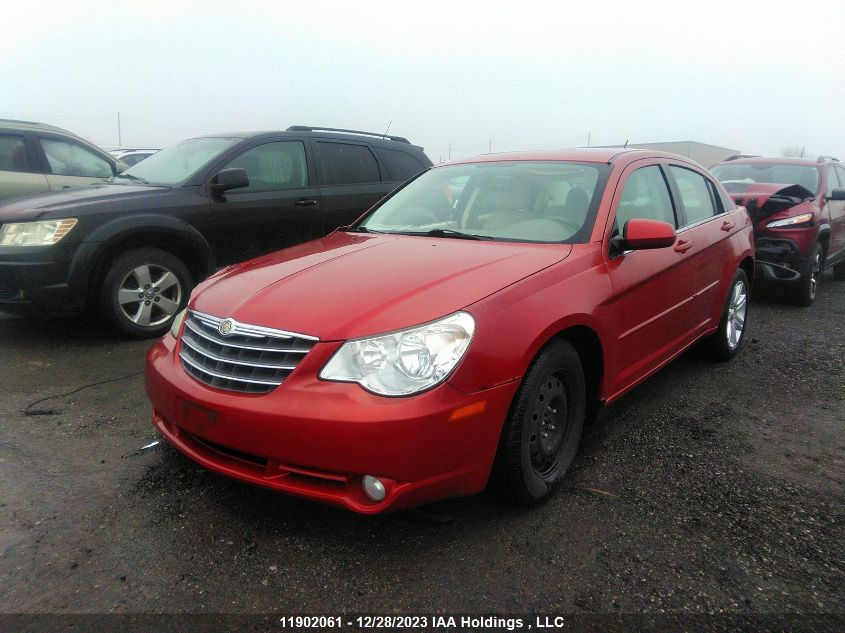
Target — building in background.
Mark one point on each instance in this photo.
(702, 153)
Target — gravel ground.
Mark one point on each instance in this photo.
(710, 489)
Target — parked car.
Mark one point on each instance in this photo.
(133, 247)
(132, 156)
(36, 157)
(432, 343)
(798, 208)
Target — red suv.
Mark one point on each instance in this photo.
(798, 208)
(463, 329)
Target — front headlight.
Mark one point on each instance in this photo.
(798, 219)
(405, 362)
(177, 323)
(41, 233)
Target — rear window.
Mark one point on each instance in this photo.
(13, 155)
(347, 164)
(400, 165)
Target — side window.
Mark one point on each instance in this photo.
(645, 196)
(70, 159)
(273, 166)
(346, 164)
(13, 155)
(401, 165)
(832, 180)
(841, 171)
(695, 194)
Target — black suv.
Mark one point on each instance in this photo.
(134, 247)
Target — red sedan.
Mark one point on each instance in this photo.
(459, 333)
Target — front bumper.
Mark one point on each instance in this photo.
(317, 439)
(37, 279)
(779, 259)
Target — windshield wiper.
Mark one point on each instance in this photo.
(458, 235)
(133, 178)
(359, 229)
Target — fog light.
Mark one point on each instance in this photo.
(373, 488)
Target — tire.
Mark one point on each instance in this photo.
(727, 340)
(839, 272)
(130, 298)
(529, 466)
(803, 293)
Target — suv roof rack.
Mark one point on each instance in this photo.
(737, 156)
(823, 158)
(308, 128)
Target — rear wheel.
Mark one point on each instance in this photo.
(804, 292)
(726, 341)
(143, 290)
(543, 429)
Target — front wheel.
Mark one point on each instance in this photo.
(804, 292)
(725, 342)
(143, 290)
(543, 429)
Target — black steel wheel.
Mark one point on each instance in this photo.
(543, 429)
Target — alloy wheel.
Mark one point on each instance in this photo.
(149, 295)
(815, 271)
(737, 310)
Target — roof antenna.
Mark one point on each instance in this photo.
(625, 146)
(802, 151)
(389, 123)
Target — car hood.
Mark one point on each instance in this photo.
(53, 202)
(764, 199)
(350, 285)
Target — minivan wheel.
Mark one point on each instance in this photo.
(543, 428)
(143, 290)
(804, 292)
(728, 338)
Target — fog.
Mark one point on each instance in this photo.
(459, 78)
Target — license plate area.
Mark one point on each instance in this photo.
(197, 419)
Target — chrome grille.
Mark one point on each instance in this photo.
(248, 358)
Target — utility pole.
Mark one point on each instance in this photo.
(588, 139)
(450, 151)
(119, 139)
(490, 146)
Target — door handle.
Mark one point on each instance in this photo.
(727, 225)
(305, 203)
(683, 246)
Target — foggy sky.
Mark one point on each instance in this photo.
(529, 75)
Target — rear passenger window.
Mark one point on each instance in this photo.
(400, 165)
(695, 194)
(346, 164)
(13, 153)
(645, 196)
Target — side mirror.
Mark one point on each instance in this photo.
(837, 194)
(232, 178)
(640, 234)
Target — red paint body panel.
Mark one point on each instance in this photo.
(316, 438)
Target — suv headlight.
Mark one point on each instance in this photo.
(405, 362)
(41, 233)
(798, 219)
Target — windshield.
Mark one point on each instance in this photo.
(738, 177)
(175, 164)
(524, 201)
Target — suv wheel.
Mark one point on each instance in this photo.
(143, 290)
(725, 342)
(804, 292)
(543, 428)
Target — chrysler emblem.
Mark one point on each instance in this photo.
(225, 327)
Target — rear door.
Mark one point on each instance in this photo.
(18, 171)
(350, 181)
(71, 164)
(650, 315)
(836, 208)
(281, 207)
(706, 225)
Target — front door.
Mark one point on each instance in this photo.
(836, 208)
(281, 207)
(650, 315)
